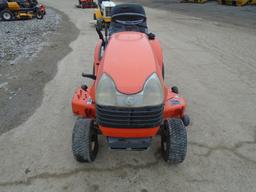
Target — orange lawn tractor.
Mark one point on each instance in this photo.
(129, 102)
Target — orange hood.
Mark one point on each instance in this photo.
(129, 60)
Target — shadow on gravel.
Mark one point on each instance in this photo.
(30, 51)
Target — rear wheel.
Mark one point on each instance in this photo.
(39, 15)
(85, 141)
(6, 15)
(174, 141)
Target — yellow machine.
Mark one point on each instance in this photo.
(102, 15)
(17, 9)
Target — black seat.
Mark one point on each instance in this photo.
(128, 17)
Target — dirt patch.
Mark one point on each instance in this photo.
(28, 61)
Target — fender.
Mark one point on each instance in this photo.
(155, 44)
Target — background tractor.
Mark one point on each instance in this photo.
(102, 15)
(85, 4)
(21, 9)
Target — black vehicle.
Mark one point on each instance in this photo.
(21, 9)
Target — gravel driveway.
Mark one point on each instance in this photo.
(24, 38)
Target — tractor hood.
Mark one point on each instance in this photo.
(129, 60)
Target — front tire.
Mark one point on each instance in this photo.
(174, 141)
(6, 15)
(85, 141)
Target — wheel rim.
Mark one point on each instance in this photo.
(7, 16)
(39, 16)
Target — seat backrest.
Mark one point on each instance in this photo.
(128, 17)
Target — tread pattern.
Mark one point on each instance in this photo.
(176, 141)
(81, 141)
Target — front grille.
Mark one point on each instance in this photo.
(108, 11)
(122, 117)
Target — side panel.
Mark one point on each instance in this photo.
(83, 105)
(13, 6)
(174, 105)
(98, 14)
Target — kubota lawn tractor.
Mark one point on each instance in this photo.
(129, 102)
(21, 9)
(86, 4)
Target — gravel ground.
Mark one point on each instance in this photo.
(29, 54)
(23, 39)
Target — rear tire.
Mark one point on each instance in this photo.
(6, 15)
(174, 141)
(39, 15)
(85, 141)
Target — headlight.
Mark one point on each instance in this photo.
(151, 95)
(106, 91)
(153, 91)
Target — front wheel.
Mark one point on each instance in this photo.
(174, 141)
(6, 15)
(85, 141)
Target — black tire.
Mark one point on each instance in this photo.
(186, 120)
(94, 16)
(174, 141)
(39, 15)
(175, 89)
(85, 141)
(6, 15)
